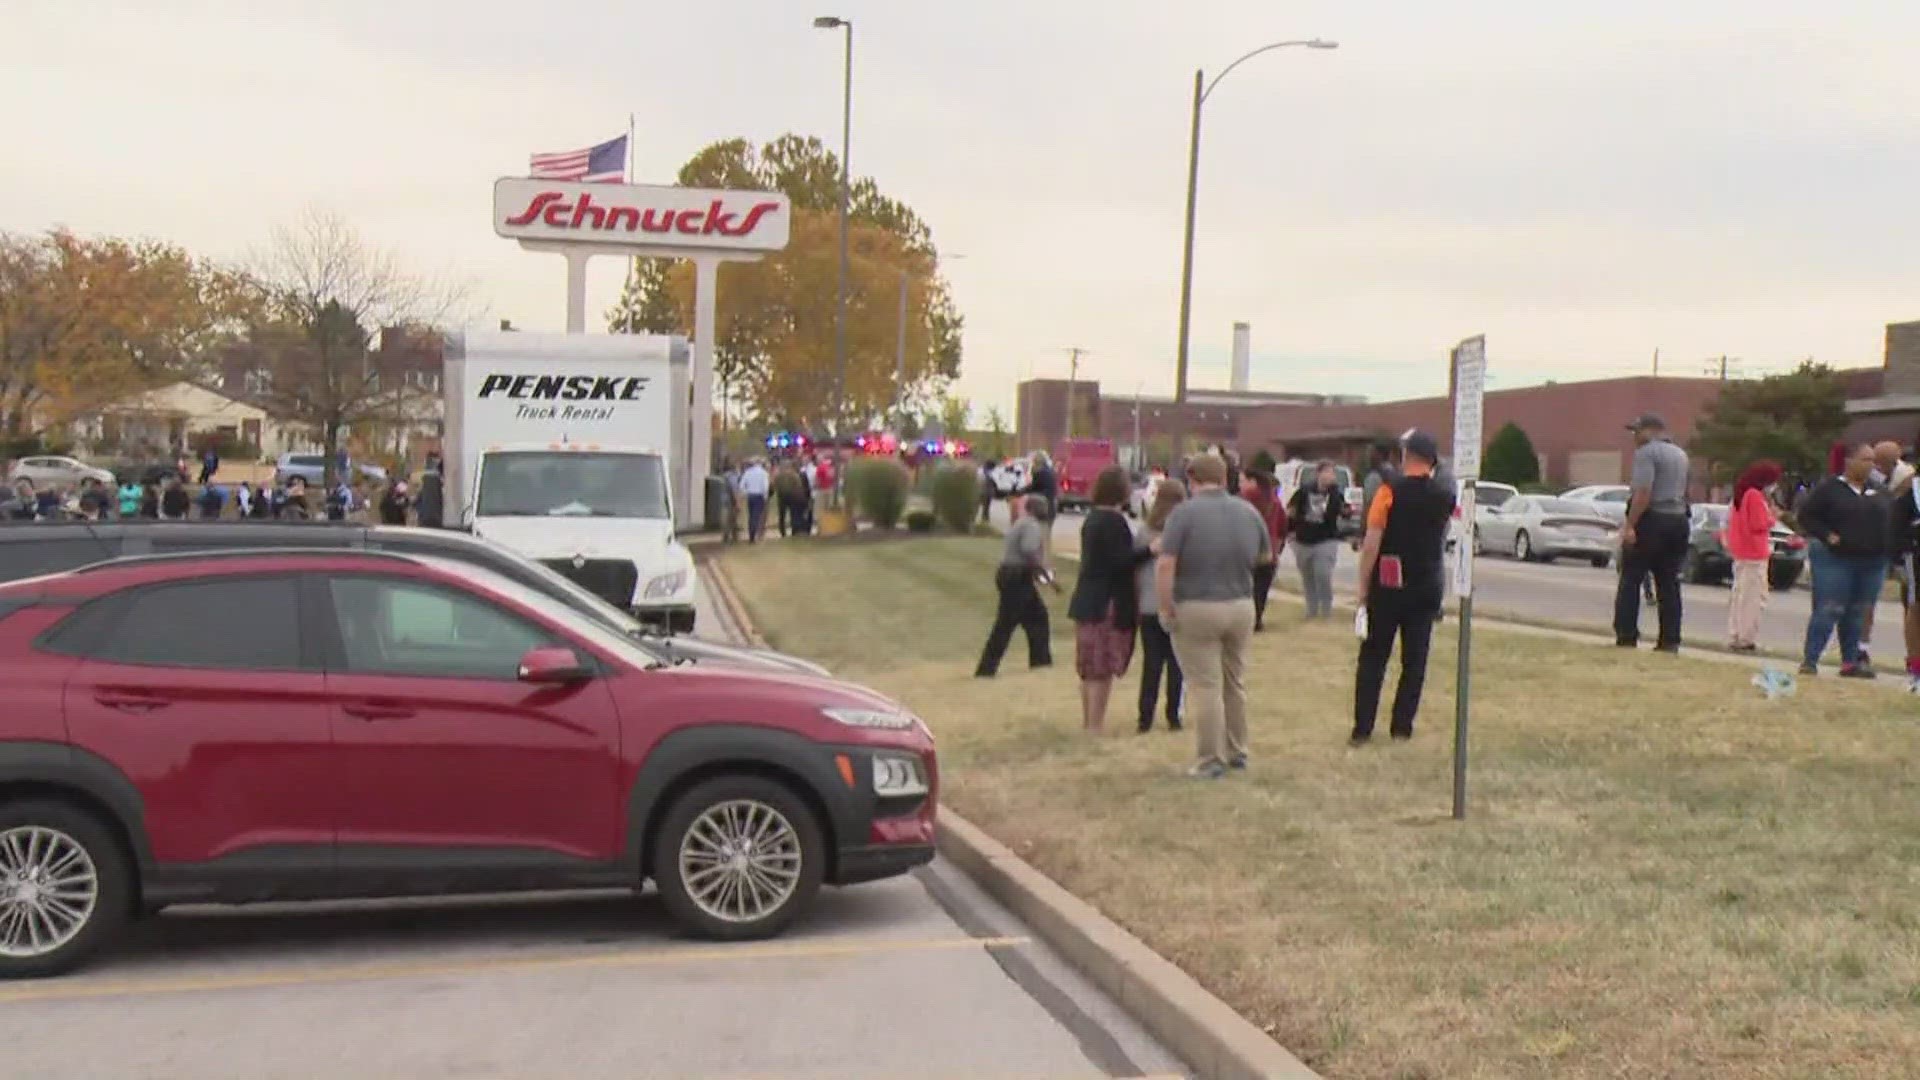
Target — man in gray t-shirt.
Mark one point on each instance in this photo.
(1655, 535)
(1204, 584)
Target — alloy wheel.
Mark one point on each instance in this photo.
(740, 860)
(1522, 547)
(49, 889)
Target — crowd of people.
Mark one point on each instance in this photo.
(1188, 583)
(792, 488)
(167, 496)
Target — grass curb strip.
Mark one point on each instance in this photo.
(1198, 1027)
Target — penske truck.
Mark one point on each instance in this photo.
(571, 449)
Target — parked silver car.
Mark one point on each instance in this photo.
(46, 471)
(1541, 528)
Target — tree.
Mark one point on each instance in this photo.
(954, 413)
(774, 343)
(1793, 419)
(85, 321)
(323, 296)
(997, 441)
(1510, 457)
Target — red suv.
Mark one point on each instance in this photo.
(274, 725)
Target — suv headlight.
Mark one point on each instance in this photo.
(666, 585)
(898, 775)
(871, 718)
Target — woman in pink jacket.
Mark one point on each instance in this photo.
(1749, 541)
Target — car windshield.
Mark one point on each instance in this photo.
(565, 483)
(1565, 506)
(1713, 516)
(314, 460)
(565, 614)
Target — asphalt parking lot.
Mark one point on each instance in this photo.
(920, 976)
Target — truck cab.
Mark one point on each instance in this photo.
(602, 516)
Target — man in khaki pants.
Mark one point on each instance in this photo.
(1204, 580)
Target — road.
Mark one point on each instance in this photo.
(919, 976)
(1580, 595)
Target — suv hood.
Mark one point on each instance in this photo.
(562, 537)
(702, 651)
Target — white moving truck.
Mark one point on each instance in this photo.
(571, 449)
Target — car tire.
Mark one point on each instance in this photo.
(74, 843)
(1523, 546)
(1782, 580)
(1601, 562)
(696, 831)
(1697, 573)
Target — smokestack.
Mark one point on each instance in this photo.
(1242, 356)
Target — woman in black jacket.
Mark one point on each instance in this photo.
(1106, 603)
(1849, 532)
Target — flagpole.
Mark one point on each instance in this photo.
(633, 264)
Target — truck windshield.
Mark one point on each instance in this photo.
(566, 483)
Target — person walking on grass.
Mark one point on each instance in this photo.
(1156, 644)
(1749, 540)
(1654, 539)
(755, 484)
(1847, 523)
(1401, 585)
(1314, 517)
(1105, 607)
(1262, 491)
(1023, 566)
(1204, 581)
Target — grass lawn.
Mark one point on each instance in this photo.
(1664, 875)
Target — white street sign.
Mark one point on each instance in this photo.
(1469, 401)
(1463, 543)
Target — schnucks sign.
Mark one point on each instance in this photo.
(551, 210)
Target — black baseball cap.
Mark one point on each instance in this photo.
(1420, 445)
(1647, 421)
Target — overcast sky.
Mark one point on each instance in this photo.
(1702, 177)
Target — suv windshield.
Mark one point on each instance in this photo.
(565, 483)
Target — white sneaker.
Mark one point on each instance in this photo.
(1913, 684)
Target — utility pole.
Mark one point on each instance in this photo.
(1139, 451)
(1074, 352)
(1656, 361)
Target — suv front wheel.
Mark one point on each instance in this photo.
(739, 857)
(64, 888)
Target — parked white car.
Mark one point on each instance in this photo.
(1487, 494)
(1607, 500)
(57, 472)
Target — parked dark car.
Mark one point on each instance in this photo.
(1709, 564)
(255, 725)
(27, 549)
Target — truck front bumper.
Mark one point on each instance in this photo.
(674, 618)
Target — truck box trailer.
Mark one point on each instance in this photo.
(571, 449)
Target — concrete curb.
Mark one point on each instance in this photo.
(1202, 1030)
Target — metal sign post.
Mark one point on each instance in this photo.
(1469, 398)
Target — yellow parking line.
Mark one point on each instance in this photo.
(69, 991)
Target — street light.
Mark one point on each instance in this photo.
(1201, 90)
(834, 22)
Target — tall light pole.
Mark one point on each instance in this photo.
(834, 22)
(1201, 90)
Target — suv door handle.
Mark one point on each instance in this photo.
(376, 710)
(126, 702)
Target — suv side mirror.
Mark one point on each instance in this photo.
(552, 665)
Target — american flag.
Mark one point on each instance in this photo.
(602, 164)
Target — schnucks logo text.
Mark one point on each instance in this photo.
(553, 208)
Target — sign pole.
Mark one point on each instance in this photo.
(1469, 380)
